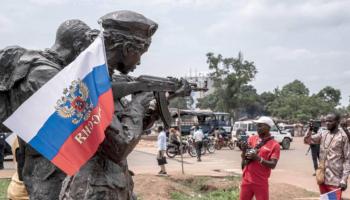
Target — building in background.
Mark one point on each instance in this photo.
(201, 79)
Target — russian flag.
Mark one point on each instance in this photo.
(332, 195)
(66, 118)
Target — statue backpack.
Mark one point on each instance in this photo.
(9, 74)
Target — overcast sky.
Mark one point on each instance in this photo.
(287, 40)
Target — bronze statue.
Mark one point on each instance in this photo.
(22, 72)
(106, 175)
(127, 36)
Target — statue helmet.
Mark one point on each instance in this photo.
(129, 22)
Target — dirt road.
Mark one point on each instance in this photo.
(294, 167)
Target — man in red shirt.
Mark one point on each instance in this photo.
(260, 156)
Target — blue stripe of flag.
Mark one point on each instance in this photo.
(57, 129)
(332, 196)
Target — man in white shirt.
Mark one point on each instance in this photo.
(161, 150)
(198, 139)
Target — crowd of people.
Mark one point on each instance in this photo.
(329, 145)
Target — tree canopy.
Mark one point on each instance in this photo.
(234, 94)
(231, 77)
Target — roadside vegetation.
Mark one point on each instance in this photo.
(4, 183)
(231, 78)
(207, 188)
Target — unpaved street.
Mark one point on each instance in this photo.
(293, 168)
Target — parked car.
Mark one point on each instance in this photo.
(249, 128)
(287, 128)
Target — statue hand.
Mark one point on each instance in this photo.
(184, 90)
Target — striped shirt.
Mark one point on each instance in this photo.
(335, 149)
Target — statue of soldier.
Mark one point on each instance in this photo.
(106, 175)
(22, 72)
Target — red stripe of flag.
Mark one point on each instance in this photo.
(72, 154)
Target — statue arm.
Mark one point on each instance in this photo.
(126, 128)
(39, 76)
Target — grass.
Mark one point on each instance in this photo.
(230, 194)
(4, 183)
(204, 191)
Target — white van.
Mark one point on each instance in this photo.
(249, 127)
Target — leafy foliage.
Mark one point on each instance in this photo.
(233, 94)
(230, 77)
(181, 102)
(4, 183)
(293, 102)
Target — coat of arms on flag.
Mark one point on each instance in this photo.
(75, 103)
(66, 118)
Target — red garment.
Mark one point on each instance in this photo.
(255, 175)
(248, 190)
(255, 172)
(327, 188)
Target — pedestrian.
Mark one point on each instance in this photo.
(334, 166)
(161, 150)
(315, 148)
(260, 155)
(178, 134)
(198, 139)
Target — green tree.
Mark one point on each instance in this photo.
(181, 102)
(330, 95)
(229, 75)
(266, 99)
(249, 101)
(295, 88)
(293, 102)
(211, 101)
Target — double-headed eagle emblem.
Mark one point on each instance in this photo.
(75, 103)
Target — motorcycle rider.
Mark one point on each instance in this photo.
(174, 138)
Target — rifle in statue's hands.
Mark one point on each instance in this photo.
(164, 89)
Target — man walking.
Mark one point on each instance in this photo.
(258, 158)
(198, 139)
(334, 155)
(315, 148)
(161, 150)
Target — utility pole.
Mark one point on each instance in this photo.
(181, 148)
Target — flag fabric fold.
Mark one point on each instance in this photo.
(332, 195)
(66, 118)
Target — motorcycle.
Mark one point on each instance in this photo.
(209, 144)
(193, 145)
(187, 146)
(224, 141)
